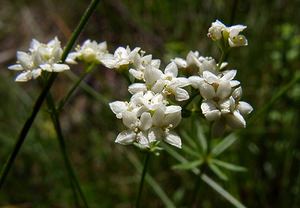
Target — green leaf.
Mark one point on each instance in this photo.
(190, 151)
(188, 139)
(201, 137)
(224, 144)
(188, 165)
(214, 185)
(228, 166)
(218, 172)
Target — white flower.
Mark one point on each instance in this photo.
(193, 59)
(231, 34)
(164, 120)
(137, 129)
(41, 57)
(235, 39)
(122, 57)
(173, 84)
(216, 29)
(90, 52)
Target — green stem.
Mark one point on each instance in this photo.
(42, 96)
(62, 145)
(74, 87)
(138, 199)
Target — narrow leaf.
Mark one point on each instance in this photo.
(214, 185)
(201, 137)
(229, 166)
(224, 144)
(188, 139)
(218, 172)
(190, 151)
(188, 165)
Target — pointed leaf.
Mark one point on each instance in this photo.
(190, 151)
(229, 166)
(218, 172)
(214, 185)
(188, 139)
(224, 144)
(201, 137)
(188, 165)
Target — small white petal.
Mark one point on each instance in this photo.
(172, 109)
(16, 67)
(210, 111)
(24, 77)
(24, 59)
(237, 93)
(126, 137)
(130, 119)
(224, 90)
(151, 75)
(143, 140)
(146, 121)
(181, 94)
(207, 91)
(235, 120)
(181, 63)
(173, 139)
(158, 117)
(46, 67)
(136, 74)
(60, 67)
(137, 87)
(118, 107)
(36, 73)
(171, 69)
(195, 81)
(210, 77)
(244, 108)
(229, 75)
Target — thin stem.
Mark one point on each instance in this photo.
(138, 199)
(74, 87)
(42, 96)
(62, 145)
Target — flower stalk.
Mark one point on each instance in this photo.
(146, 163)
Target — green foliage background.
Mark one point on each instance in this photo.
(269, 147)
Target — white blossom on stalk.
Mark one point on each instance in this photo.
(194, 59)
(165, 82)
(231, 34)
(41, 57)
(147, 119)
(221, 102)
(121, 57)
(89, 52)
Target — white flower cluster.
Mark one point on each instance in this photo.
(41, 57)
(221, 96)
(231, 34)
(89, 52)
(148, 116)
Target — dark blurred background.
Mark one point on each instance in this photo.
(269, 148)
